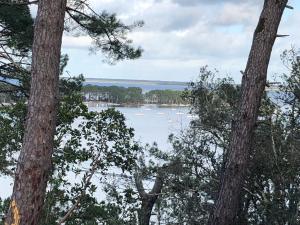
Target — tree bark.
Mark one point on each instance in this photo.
(253, 85)
(148, 199)
(34, 163)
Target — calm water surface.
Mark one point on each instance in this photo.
(151, 124)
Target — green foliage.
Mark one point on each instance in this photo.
(17, 30)
(108, 33)
(99, 141)
(114, 94)
(271, 192)
(12, 120)
(122, 189)
(86, 144)
(102, 212)
(16, 36)
(275, 172)
(164, 97)
(213, 98)
(197, 159)
(131, 95)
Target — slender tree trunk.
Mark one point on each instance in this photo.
(146, 210)
(34, 163)
(148, 199)
(253, 85)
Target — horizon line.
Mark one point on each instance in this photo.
(93, 79)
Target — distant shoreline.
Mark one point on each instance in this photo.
(129, 81)
(108, 104)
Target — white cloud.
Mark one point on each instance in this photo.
(243, 13)
(190, 34)
(76, 42)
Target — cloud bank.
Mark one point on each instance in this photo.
(180, 36)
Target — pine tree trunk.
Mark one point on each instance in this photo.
(253, 85)
(34, 163)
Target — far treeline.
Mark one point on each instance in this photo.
(131, 95)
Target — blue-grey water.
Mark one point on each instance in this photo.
(145, 87)
(151, 124)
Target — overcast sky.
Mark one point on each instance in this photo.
(180, 36)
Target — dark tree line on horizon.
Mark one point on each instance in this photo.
(131, 95)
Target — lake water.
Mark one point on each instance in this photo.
(151, 124)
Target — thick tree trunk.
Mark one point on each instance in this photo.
(148, 199)
(34, 162)
(253, 85)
